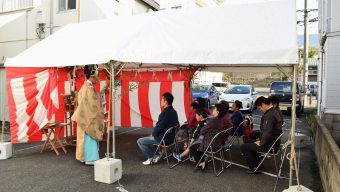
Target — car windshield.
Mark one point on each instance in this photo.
(199, 89)
(238, 90)
(220, 84)
(281, 87)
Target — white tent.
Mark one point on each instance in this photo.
(255, 34)
(253, 37)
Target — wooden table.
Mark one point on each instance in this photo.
(48, 130)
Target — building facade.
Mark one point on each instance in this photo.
(329, 66)
(26, 22)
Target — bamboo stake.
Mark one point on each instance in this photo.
(108, 125)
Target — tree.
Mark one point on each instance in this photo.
(312, 52)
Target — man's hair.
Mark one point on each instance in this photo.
(89, 70)
(261, 100)
(221, 111)
(194, 105)
(168, 97)
(201, 102)
(238, 104)
(274, 100)
(202, 111)
(225, 104)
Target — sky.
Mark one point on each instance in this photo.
(312, 4)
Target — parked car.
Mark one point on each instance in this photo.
(283, 91)
(244, 93)
(312, 89)
(208, 92)
(221, 86)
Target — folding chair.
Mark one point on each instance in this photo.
(181, 138)
(172, 146)
(235, 135)
(211, 153)
(271, 152)
(230, 142)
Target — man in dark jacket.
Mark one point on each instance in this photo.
(271, 129)
(167, 119)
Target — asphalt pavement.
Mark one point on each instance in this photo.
(28, 170)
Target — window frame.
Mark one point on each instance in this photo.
(67, 9)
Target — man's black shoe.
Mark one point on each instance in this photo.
(254, 171)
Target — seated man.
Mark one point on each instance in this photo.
(271, 129)
(167, 119)
(237, 118)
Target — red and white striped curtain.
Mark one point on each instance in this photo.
(35, 97)
(138, 98)
(32, 101)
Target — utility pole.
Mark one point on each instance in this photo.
(305, 54)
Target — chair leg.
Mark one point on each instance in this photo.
(166, 156)
(275, 162)
(230, 159)
(213, 161)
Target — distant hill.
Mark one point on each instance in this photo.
(313, 40)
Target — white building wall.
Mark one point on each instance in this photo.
(18, 28)
(206, 77)
(332, 77)
(20, 33)
(329, 62)
(335, 15)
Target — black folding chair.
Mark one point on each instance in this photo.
(211, 153)
(168, 148)
(272, 153)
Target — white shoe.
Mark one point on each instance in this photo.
(89, 163)
(156, 159)
(147, 162)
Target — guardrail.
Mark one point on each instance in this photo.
(13, 5)
(328, 155)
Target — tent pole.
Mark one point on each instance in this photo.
(292, 133)
(113, 108)
(3, 123)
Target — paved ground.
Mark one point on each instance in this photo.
(29, 170)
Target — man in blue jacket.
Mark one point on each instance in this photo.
(167, 119)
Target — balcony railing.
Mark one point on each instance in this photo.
(13, 5)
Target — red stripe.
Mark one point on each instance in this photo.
(144, 107)
(125, 105)
(165, 86)
(45, 98)
(187, 98)
(30, 87)
(29, 75)
(12, 109)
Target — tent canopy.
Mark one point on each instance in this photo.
(260, 34)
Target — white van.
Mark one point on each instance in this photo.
(221, 86)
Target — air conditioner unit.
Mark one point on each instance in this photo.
(40, 17)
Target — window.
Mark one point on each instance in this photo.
(238, 90)
(281, 87)
(65, 5)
